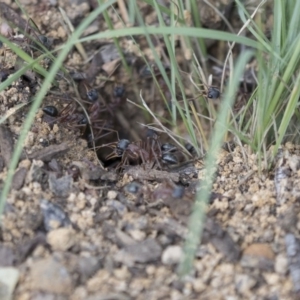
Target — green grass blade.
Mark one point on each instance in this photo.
(184, 31)
(197, 218)
(288, 113)
(24, 56)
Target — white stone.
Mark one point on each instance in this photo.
(112, 195)
(172, 255)
(281, 264)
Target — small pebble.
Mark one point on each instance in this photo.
(112, 195)
(53, 214)
(50, 276)
(281, 264)
(133, 187)
(172, 255)
(8, 280)
(118, 206)
(61, 239)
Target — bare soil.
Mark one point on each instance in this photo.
(73, 230)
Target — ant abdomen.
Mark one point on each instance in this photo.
(50, 110)
(213, 93)
(92, 95)
(122, 146)
(169, 159)
(168, 148)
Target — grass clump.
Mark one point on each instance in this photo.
(275, 100)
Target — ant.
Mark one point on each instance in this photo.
(148, 153)
(128, 152)
(68, 115)
(95, 109)
(210, 92)
(213, 93)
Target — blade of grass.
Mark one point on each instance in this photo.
(197, 218)
(18, 74)
(24, 56)
(185, 31)
(288, 113)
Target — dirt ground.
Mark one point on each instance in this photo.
(73, 230)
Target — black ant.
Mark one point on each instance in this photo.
(213, 93)
(128, 151)
(210, 92)
(148, 153)
(94, 108)
(69, 115)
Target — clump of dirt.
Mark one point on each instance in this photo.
(74, 230)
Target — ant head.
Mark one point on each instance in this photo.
(151, 134)
(50, 110)
(213, 93)
(83, 120)
(122, 146)
(119, 91)
(45, 41)
(189, 147)
(92, 95)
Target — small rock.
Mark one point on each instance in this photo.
(87, 267)
(77, 11)
(199, 286)
(137, 235)
(54, 216)
(272, 278)
(110, 176)
(118, 206)
(8, 280)
(19, 178)
(172, 255)
(6, 144)
(7, 256)
(61, 239)
(28, 247)
(143, 252)
(61, 187)
(133, 187)
(112, 195)
(244, 283)
(263, 250)
(281, 264)
(37, 173)
(258, 256)
(292, 244)
(109, 53)
(48, 275)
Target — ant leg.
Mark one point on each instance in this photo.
(123, 162)
(156, 161)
